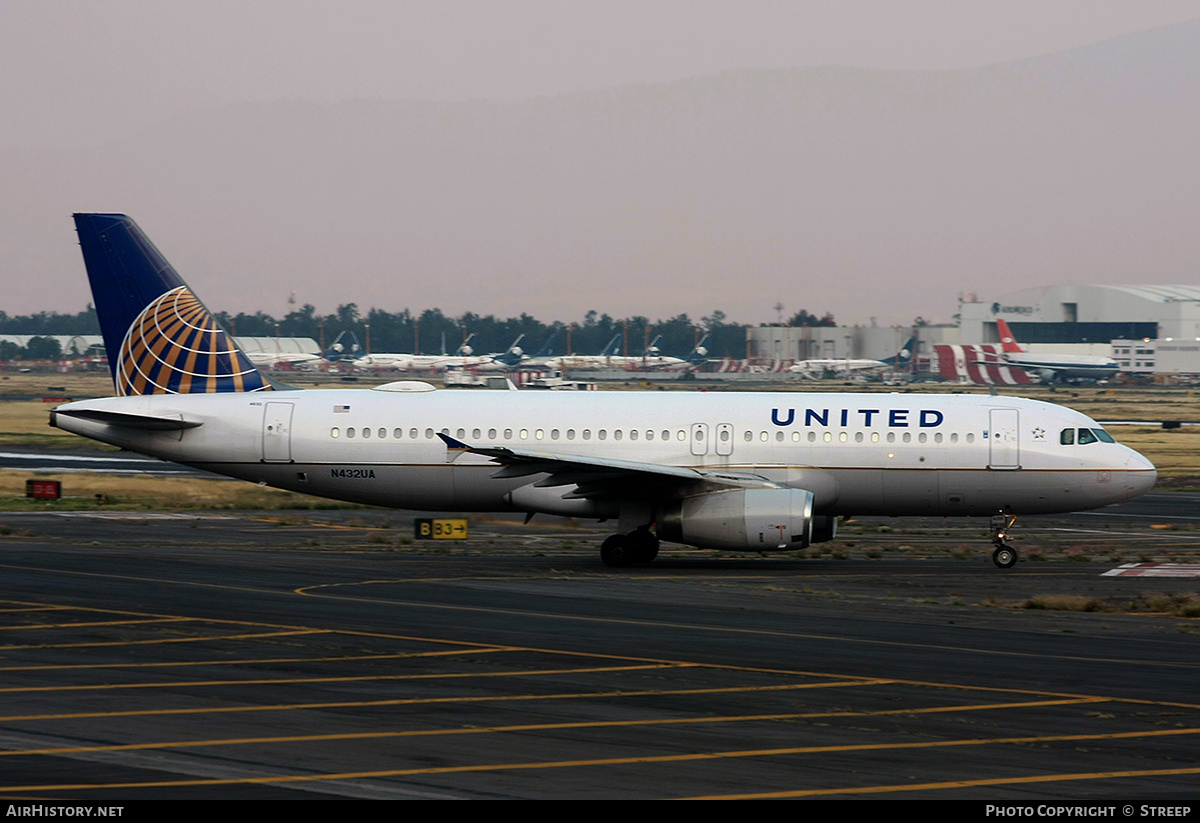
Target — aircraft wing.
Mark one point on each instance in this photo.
(596, 477)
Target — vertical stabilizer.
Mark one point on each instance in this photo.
(159, 337)
(1008, 343)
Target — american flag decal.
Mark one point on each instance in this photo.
(341, 409)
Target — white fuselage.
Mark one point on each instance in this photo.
(835, 365)
(891, 454)
(1075, 366)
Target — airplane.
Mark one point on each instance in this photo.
(846, 365)
(387, 361)
(1053, 367)
(304, 361)
(655, 361)
(586, 362)
(732, 471)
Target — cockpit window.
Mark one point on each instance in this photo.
(1104, 436)
(1067, 437)
(1086, 436)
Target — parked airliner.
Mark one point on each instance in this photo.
(818, 366)
(1052, 367)
(733, 471)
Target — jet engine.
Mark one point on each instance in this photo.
(743, 520)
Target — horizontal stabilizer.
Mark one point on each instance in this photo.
(144, 422)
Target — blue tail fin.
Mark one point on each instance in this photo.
(160, 339)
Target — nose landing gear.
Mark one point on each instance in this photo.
(1005, 556)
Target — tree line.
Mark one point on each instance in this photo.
(432, 332)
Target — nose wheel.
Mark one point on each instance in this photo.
(1005, 556)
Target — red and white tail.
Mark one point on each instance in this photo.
(1008, 343)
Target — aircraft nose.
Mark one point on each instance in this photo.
(1141, 473)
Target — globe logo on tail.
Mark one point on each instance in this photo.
(176, 347)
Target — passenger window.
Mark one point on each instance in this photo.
(412, 433)
(796, 437)
(383, 433)
(366, 432)
(554, 434)
(1066, 437)
(570, 434)
(398, 434)
(508, 434)
(617, 434)
(778, 437)
(491, 434)
(812, 437)
(475, 433)
(762, 436)
(350, 432)
(429, 434)
(334, 433)
(587, 434)
(461, 433)
(539, 434)
(749, 436)
(633, 434)
(1086, 436)
(858, 437)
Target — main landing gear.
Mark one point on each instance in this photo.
(639, 546)
(1005, 556)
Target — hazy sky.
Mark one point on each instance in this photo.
(72, 64)
(76, 72)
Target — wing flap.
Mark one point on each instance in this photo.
(603, 477)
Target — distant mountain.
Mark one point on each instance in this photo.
(864, 193)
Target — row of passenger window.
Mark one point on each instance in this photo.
(523, 434)
(859, 437)
(723, 435)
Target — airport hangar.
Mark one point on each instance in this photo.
(1149, 328)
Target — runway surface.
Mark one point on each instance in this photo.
(276, 655)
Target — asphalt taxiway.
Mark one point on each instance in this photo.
(327, 654)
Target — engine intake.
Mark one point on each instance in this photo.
(742, 520)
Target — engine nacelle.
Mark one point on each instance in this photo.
(741, 520)
(824, 528)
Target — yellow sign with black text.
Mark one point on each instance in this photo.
(440, 528)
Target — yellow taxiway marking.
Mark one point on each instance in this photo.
(580, 724)
(130, 622)
(413, 701)
(203, 638)
(252, 661)
(268, 681)
(683, 758)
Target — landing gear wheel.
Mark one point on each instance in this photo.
(617, 552)
(1005, 556)
(643, 544)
